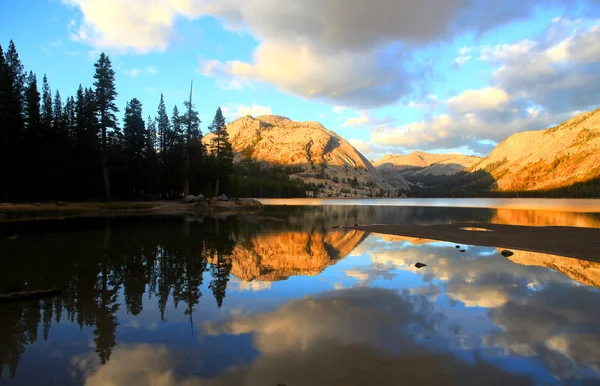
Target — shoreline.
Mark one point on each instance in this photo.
(578, 243)
(54, 211)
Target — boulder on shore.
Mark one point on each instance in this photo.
(222, 197)
(189, 199)
(198, 198)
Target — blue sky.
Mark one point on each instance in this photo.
(391, 76)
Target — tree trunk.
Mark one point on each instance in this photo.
(186, 173)
(217, 187)
(105, 175)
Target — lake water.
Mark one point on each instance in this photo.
(235, 300)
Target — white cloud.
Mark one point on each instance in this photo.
(474, 100)
(254, 110)
(339, 109)
(535, 85)
(362, 119)
(152, 70)
(462, 60)
(133, 72)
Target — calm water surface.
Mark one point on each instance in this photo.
(240, 301)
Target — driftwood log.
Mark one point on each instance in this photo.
(25, 295)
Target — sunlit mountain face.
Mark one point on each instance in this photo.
(292, 301)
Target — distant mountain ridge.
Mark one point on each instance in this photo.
(423, 163)
(324, 157)
(547, 159)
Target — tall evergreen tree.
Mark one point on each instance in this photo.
(151, 161)
(162, 120)
(221, 149)
(194, 149)
(34, 141)
(134, 143)
(47, 114)
(106, 94)
(57, 112)
(12, 78)
(164, 134)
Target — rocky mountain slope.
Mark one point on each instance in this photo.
(322, 156)
(422, 163)
(547, 159)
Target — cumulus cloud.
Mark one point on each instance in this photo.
(354, 55)
(233, 112)
(356, 121)
(473, 100)
(535, 85)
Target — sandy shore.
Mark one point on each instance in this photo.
(47, 211)
(581, 243)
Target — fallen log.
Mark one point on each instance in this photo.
(25, 295)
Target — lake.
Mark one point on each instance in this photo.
(283, 298)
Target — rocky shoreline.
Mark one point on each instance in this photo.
(62, 210)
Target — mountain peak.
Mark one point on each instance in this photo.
(324, 157)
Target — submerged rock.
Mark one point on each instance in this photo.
(420, 265)
(463, 250)
(506, 253)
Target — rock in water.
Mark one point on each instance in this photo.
(335, 226)
(420, 265)
(463, 250)
(458, 247)
(222, 197)
(198, 198)
(507, 253)
(189, 199)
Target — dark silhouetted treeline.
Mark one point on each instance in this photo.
(57, 146)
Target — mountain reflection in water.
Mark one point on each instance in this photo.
(228, 301)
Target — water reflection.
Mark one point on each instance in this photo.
(228, 301)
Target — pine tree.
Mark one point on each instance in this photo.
(162, 120)
(164, 134)
(106, 94)
(57, 113)
(194, 149)
(134, 143)
(46, 105)
(221, 149)
(12, 92)
(151, 160)
(34, 141)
